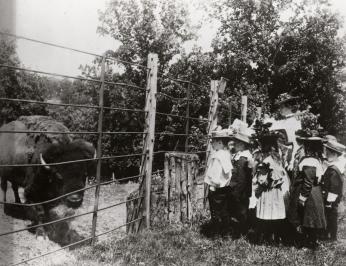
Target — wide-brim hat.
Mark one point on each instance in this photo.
(335, 146)
(219, 133)
(330, 138)
(286, 98)
(310, 135)
(242, 137)
(241, 131)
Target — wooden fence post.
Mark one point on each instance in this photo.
(217, 87)
(243, 108)
(258, 112)
(212, 123)
(152, 84)
(141, 209)
(99, 151)
(187, 126)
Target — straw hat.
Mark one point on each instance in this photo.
(335, 146)
(241, 131)
(219, 133)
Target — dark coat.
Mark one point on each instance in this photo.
(332, 182)
(241, 178)
(312, 214)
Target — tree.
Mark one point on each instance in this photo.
(141, 27)
(264, 55)
(17, 85)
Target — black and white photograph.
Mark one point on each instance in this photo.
(172, 132)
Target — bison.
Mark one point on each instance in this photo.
(42, 183)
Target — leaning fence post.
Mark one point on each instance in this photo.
(152, 86)
(99, 151)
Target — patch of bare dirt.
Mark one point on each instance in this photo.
(24, 245)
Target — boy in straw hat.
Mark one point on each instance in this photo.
(240, 184)
(332, 185)
(218, 176)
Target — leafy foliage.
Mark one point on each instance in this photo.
(17, 85)
(264, 55)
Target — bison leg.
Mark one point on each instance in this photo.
(38, 217)
(4, 188)
(15, 192)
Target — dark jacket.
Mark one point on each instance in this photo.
(241, 178)
(332, 182)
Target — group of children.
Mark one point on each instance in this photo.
(262, 187)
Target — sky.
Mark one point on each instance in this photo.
(73, 23)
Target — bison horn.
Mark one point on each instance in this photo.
(43, 162)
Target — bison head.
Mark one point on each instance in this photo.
(66, 178)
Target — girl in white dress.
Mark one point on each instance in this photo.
(271, 185)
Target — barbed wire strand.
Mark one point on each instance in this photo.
(70, 132)
(74, 77)
(71, 193)
(74, 161)
(70, 105)
(71, 49)
(185, 117)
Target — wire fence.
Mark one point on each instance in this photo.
(99, 133)
(101, 81)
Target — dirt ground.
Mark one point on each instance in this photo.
(24, 245)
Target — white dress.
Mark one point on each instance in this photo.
(271, 204)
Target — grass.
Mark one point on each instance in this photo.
(183, 245)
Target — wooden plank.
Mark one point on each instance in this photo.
(99, 151)
(183, 184)
(187, 126)
(166, 188)
(178, 184)
(243, 108)
(189, 187)
(173, 188)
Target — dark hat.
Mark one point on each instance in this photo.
(301, 134)
(285, 98)
(263, 165)
(312, 135)
(263, 136)
(282, 133)
(335, 146)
